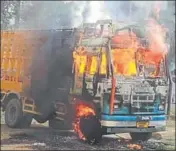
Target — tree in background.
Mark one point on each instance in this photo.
(36, 14)
(10, 14)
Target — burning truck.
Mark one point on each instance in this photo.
(96, 81)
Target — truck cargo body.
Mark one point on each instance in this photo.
(32, 62)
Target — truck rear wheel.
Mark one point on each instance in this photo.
(14, 117)
(58, 124)
(141, 136)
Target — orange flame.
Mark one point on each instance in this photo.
(82, 110)
(134, 146)
(124, 61)
(125, 44)
(156, 33)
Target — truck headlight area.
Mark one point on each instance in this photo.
(161, 107)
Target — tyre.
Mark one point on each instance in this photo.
(58, 124)
(14, 117)
(141, 136)
(91, 128)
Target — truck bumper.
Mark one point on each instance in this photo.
(126, 124)
(113, 130)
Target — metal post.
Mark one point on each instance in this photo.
(170, 87)
(169, 97)
(171, 49)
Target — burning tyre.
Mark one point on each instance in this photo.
(86, 124)
(91, 128)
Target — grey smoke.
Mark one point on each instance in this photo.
(54, 14)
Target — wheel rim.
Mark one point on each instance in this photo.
(12, 114)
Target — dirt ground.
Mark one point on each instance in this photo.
(40, 137)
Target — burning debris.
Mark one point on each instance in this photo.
(82, 111)
(134, 147)
(86, 124)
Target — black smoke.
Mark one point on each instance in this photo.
(51, 70)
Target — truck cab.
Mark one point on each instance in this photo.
(128, 87)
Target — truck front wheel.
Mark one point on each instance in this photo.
(141, 136)
(90, 127)
(14, 117)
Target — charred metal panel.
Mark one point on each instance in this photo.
(136, 95)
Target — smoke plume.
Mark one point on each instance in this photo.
(55, 14)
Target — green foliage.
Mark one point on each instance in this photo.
(9, 10)
(36, 14)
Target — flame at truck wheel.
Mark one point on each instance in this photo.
(82, 112)
(91, 128)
